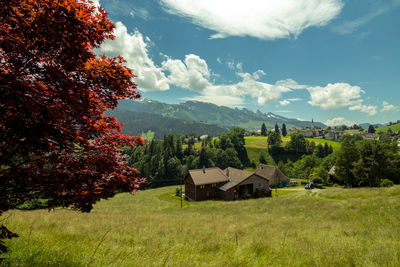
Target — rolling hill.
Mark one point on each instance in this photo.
(393, 127)
(212, 114)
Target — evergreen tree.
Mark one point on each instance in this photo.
(319, 151)
(178, 147)
(276, 128)
(330, 149)
(262, 159)
(203, 160)
(375, 157)
(263, 130)
(371, 129)
(284, 132)
(326, 149)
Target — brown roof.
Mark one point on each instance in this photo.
(208, 176)
(236, 176)
(271, 172)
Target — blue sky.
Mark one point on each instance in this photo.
(332, 60)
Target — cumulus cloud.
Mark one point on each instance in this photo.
(219, 60)
(335, 95)
(233, 94)
(192, 74)
(388, 107)
(339, 121)
(369, 109)
(134, 48)
(339, 95)
(268, 20)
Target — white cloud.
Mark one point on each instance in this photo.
(231, 65)
(192, 74)
(220, 100)
(369, 109)
(133, 47)
(219, 60)
(290, 83)
(239, 66)
(339, 122)
(266, 20)
(233, 94)
(284, 102)
(300, 119)
(388, 107)
(141, 13)
(339, 95)
(335, 95)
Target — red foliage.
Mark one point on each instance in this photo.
(56, 141)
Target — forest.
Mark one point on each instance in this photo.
(357, 162)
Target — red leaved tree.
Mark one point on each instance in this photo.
(56, 141)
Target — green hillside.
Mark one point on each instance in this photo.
(257, 145)
(331, 227)
(384, 129)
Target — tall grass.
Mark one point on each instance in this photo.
(333, 227)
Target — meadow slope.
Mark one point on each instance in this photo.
(332, 227)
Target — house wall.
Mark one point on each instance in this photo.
(202, 192)
(258, 183)
(190, 188)
(228, 195)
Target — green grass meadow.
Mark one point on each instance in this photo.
(384, 129)
(331, 227)
(257, 145)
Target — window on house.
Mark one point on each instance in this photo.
(214, 185)
(202, 186)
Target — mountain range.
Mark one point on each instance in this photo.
(201, 117)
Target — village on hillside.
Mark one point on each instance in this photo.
(334, 133)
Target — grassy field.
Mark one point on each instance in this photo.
(335, 145)
(332, 227)
(384, 129)
(257, 145)
(261, 141)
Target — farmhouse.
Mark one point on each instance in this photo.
(231, 183)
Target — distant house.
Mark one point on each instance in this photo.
(228, 184)
(333, 135)
(274, 175)
(370, 136)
